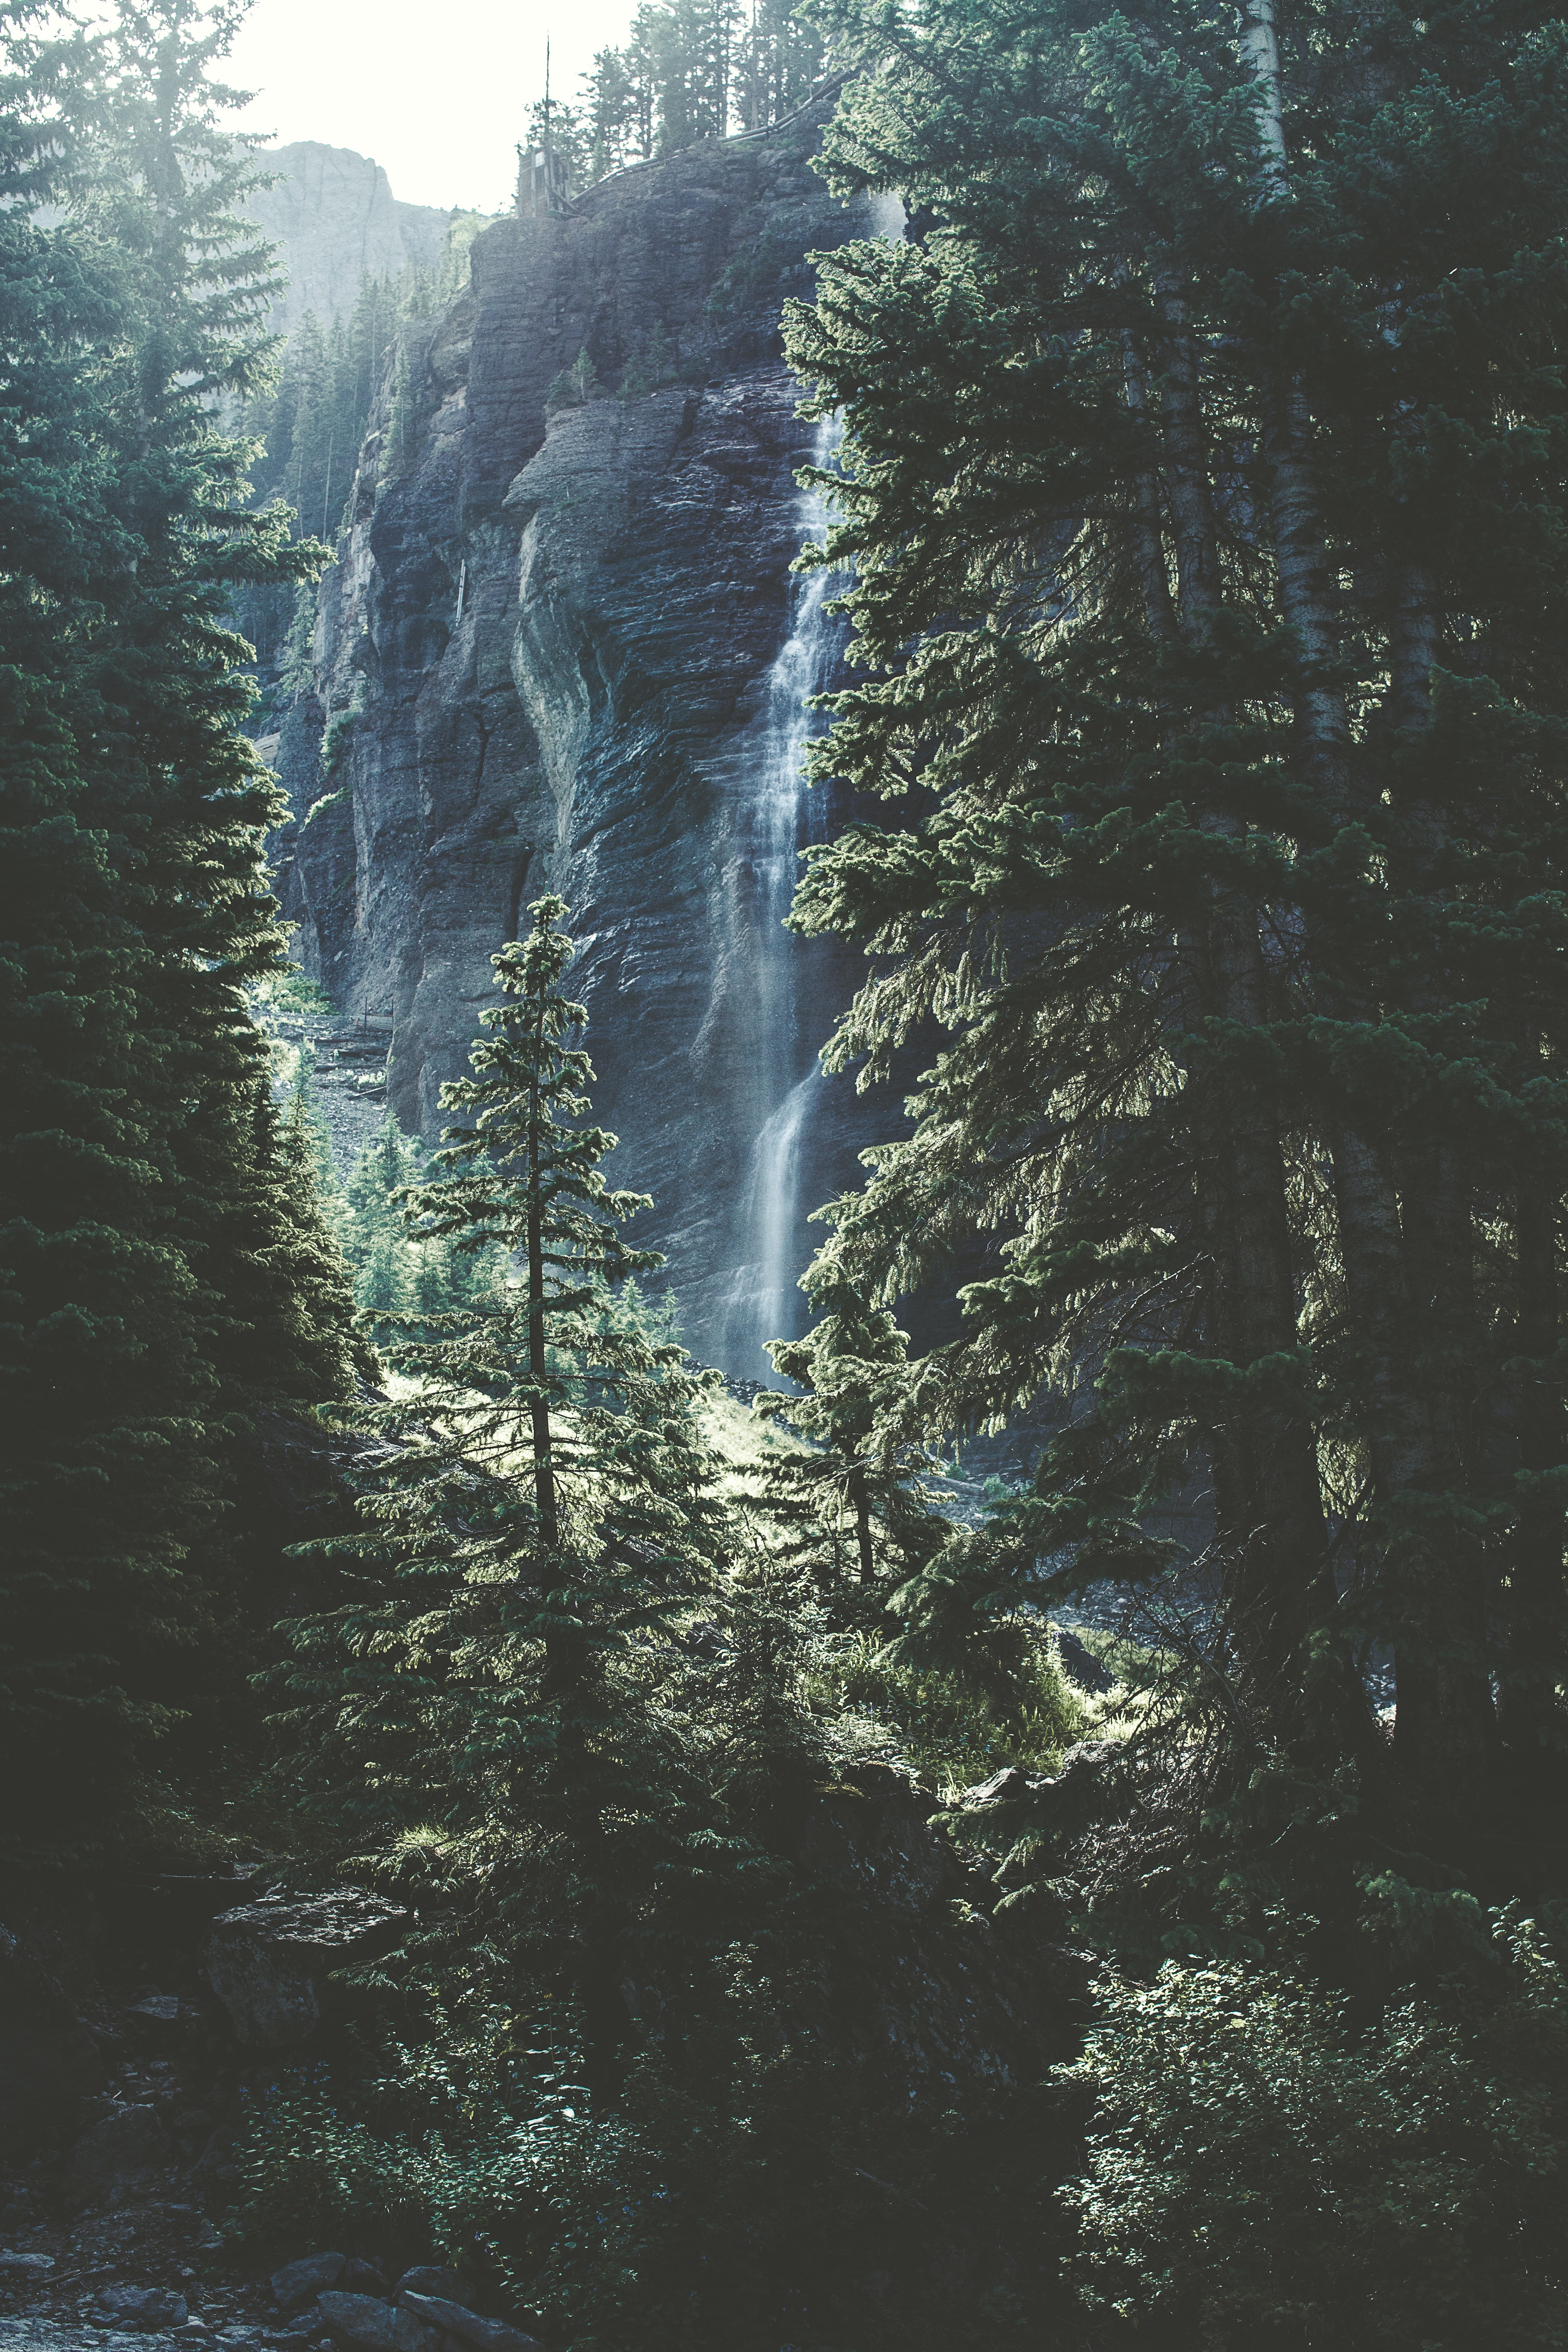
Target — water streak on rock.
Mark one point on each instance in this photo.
(764, 1300)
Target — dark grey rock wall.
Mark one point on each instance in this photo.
(557, 637)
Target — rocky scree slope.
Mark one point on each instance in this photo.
(544, 658)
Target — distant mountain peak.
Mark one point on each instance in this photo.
(333, 213)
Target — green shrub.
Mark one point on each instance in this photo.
(733, 2200)
(1263, 2171)
(309, 2178)
(335, 738)
(953, 1732)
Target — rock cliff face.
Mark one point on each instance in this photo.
(567, 651)
(336, 216)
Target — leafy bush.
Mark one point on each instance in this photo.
(734, 2199)
(310, 2178)
(952, 1732)
(335, 737)
(1264, 2169)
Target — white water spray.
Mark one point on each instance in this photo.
(764, 1302)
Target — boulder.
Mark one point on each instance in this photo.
(215, 2156)
(868, 1835)
(363, 2278)
(1079, 1663)
(371, 2325)
(1004, 1788)
(128, 2141)
(1061, 1801)
(455, 2319)
(159, 2012)
(145, 2307)
(433, 2278)
(269, 1961)
(300, 2282)
(17, 2270)
(19, 2335)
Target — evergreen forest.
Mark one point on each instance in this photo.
(1045, 1828)
(690, 69)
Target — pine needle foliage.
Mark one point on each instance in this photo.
(855, 1499)
(394, 1271)
(154, 1224)
(1207, 544)
(542, 1509)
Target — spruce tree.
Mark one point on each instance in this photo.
(1206, 557)
(691, 69)
(542, 1507)
(858, 1491)
(400, 1279)
(136, 1209)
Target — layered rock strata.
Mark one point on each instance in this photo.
(546, 657)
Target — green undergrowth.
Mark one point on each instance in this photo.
(951, 1732)
(1272, 2163)
(745, 2191)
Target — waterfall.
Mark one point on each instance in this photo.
(764, 1302)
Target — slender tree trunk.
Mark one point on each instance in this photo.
(1268, 1503)
(1185, 459)
(601, 1935)
(1531, 1710)
(543, 1463)
(1435, 1586)
(562, 1645)
(860, 1502)
(1397, 1431)
(1445, 1725)
(1158, 612)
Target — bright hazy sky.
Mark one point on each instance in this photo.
(438, 92)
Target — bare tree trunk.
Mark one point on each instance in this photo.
(1446, 1726)
(1436, 1581)
(1269, 1514)
(1159, 613)
(1260, 53)
(1532, 1711)
(860, 1502)
(562, 1647)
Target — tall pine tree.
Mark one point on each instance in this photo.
(1207, 524)
(147, 1214)
(546, 1507)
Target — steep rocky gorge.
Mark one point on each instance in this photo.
(566, 650)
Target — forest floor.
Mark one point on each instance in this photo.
(75, 2236)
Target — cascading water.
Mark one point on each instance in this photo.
(764, 1301)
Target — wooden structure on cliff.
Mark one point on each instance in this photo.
(543, 183)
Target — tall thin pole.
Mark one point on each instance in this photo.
(547, 91)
